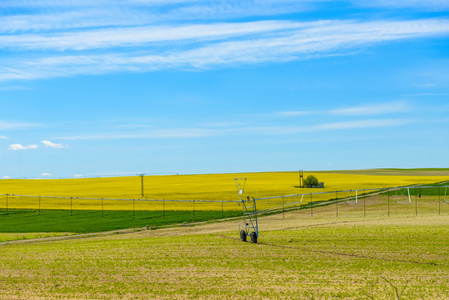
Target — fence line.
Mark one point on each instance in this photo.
(228, 201)
(123, 199)
(353, 191)
(265, 204)
(366, 193)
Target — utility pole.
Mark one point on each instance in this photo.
(141, 181)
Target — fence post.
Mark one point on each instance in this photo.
(7, 195)
(102, 208)
(163, 207)
(134, 211)
(193, 211)
(336, 199)
(311, 205)
(439, 201)
(39, 205)
(416, 202)
(388, 200)
(71, 206)
(283, 203)
(336, 209)
(364, 199)
(222, 210)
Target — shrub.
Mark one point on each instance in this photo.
(310, 180)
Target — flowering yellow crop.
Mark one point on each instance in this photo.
(186, 187)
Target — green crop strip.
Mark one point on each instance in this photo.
(79, 221)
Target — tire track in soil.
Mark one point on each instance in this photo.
(337, 253)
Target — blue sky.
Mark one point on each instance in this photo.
(196, 86)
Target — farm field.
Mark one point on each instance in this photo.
(74, 215)
(413, 201)
(52, 222)
(378, 248)
(298, 256)
(428, 201)
(394, 172)
(211, 187)
(5, 237)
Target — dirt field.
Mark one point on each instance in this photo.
(298, 256)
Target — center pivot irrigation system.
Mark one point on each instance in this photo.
(249, 213)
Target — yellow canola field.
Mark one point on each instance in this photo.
(200, 188)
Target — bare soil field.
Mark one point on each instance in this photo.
(299, 255)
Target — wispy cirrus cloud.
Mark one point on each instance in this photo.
(331, 126)
(6, 125)
(141, 35)
(80, 14)
(344, 118)
(232, 129)
(45, 15)
(429, 94)
(198, 9)
(294, 113)
(428, 4)
(71, 38)
(273, 42)
(360, 110)
(160, 133)
(374, 109)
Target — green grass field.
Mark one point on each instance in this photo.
(28, 221)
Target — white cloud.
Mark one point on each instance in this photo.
(429, 94)
(345, 125)
(366, 110)
(222, 124)
(360, 124)
(428, 4)
(20, 147)
(53, 145)
(293, 113)
(140, 35)
(2, 137)
(244, 130)
(46, 15)
(16, 125)
(6, 177)
(356, 124)
(251, 43)
(56, 15)
(374, 109)
(77, 176)
(426, 85)
(153, 134)
(46, 174)
(66, 20)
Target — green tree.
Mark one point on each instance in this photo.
(310, 180)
